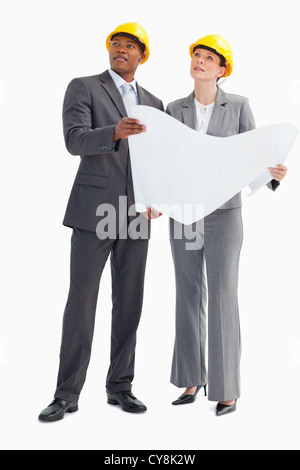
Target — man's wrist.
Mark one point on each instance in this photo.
(116, 135)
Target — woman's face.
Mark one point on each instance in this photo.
(206, 66)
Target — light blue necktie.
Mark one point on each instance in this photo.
(128, 96)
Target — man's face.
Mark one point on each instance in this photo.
(125, 55)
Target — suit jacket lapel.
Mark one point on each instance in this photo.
(217, 114)
(143, 98)
(189, 111)
(109, 85)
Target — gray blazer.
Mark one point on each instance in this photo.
(231, 115)
(92, 108)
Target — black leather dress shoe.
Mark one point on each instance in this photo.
(57, 410)
(127, 401)
(186, 399)
(223, 410)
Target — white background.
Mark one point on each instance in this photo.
(44, 44)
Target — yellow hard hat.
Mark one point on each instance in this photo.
(132, 29)
(220, 46)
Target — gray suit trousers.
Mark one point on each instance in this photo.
(88, 258)
(219, 255)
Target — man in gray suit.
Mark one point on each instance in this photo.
(96, 127)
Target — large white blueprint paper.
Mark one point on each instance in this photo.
(187, 175)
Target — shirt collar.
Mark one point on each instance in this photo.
(119, 81)
(202, 106)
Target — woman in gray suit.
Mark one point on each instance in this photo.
(211, 111)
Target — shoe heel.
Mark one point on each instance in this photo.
(110, 401)
(73, 409)
(205, 390)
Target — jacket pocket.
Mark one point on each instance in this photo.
(91, 180)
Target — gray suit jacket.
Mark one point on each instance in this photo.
(231, 115)
(92, 108)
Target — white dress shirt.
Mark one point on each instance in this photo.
(203, 114)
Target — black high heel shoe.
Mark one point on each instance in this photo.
(223, 410)
(185, 399)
